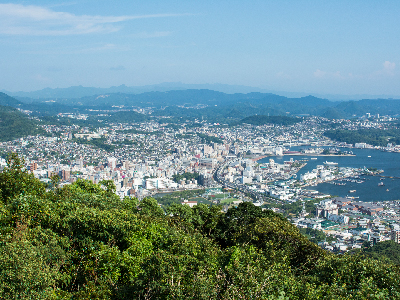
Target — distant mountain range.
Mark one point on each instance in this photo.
(208, 105)
(80, 91)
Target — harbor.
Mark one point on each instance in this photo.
(366, 187)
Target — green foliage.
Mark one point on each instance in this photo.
(99, 143)
(207, 139)
(294, 208)
(313, 235)
(125, 117)
(30, 263)
(82, 241)
(150, 207)
(176, 197)
(14, 124)
(6, 100)
(372, 136)
(355, 277)
(15, 181)
(387, 250)
(64, 121)
(186, 175)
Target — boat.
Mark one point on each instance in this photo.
(381, 184)
(330, 163)
(313, 158)
(387, 190)
(352, 191)
(369, 155)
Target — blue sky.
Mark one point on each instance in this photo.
(331, 47)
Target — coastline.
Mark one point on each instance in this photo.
(300, 154)
(314, 154)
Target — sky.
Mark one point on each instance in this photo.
(325, 47)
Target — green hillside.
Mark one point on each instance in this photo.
(14, 124)
(82, 242)
(6, 100)
(386, 250)
(373, 136)
(125, 117)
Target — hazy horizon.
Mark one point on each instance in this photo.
(170, 86)
(303, 47)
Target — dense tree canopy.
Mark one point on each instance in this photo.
(82, 242)
(14, 124)
(372, 136)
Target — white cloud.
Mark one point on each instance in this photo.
(282, 75)
(319, 74)
(324, 74)
(16, 19)
(388, 67)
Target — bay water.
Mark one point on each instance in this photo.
(369, 190)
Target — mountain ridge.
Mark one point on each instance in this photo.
(81, 91)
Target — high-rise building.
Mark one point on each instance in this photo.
(395, 236)
(374, 239)
(33, 166)
(112, 162)
(65, 174)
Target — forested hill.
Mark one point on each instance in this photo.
(372, 136)
(14, 124)
(82, 242)
(6, 100)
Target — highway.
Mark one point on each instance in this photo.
(241, 187)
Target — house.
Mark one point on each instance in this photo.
(190, 203)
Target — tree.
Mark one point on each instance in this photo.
(150, 207)
(14, 180)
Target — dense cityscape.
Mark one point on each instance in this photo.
(222, 165)
(160, 150)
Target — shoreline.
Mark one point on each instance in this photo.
(313, 154)
(300, 154)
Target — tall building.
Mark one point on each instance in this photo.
(326, 208)
(65, 174)
(112, 163)
(374, 239)
(395, 236)
(80, 163)
(33, 166)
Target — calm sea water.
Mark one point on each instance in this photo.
(367, 191)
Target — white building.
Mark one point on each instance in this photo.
(308, 176)
(307, 223)
(339, 218)
(326, 208)
(190, 203)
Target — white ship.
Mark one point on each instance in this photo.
(330, 163)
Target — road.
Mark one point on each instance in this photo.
(241, 187)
